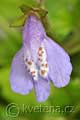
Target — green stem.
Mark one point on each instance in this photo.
(40, 3)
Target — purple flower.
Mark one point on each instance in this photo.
(38, 61)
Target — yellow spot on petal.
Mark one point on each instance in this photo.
(29, 62)
(40, 48)
(43, 72)
(33, 72)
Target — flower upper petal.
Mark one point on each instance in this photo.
(42, 89)
(33, 33)
(59, 64)
(21, 81)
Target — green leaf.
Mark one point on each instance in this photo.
(19, 22)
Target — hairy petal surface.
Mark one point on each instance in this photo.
(60, 67)
(21, 82)
(42, 89)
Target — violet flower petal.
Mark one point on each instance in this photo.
(60, 67)
(42, 89)
(21, 82)
(33, 33)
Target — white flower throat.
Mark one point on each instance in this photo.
(42, 65)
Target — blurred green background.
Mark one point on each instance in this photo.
(64, 20)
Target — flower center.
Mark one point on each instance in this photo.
(41, 68)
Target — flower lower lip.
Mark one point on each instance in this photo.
(42, 66)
